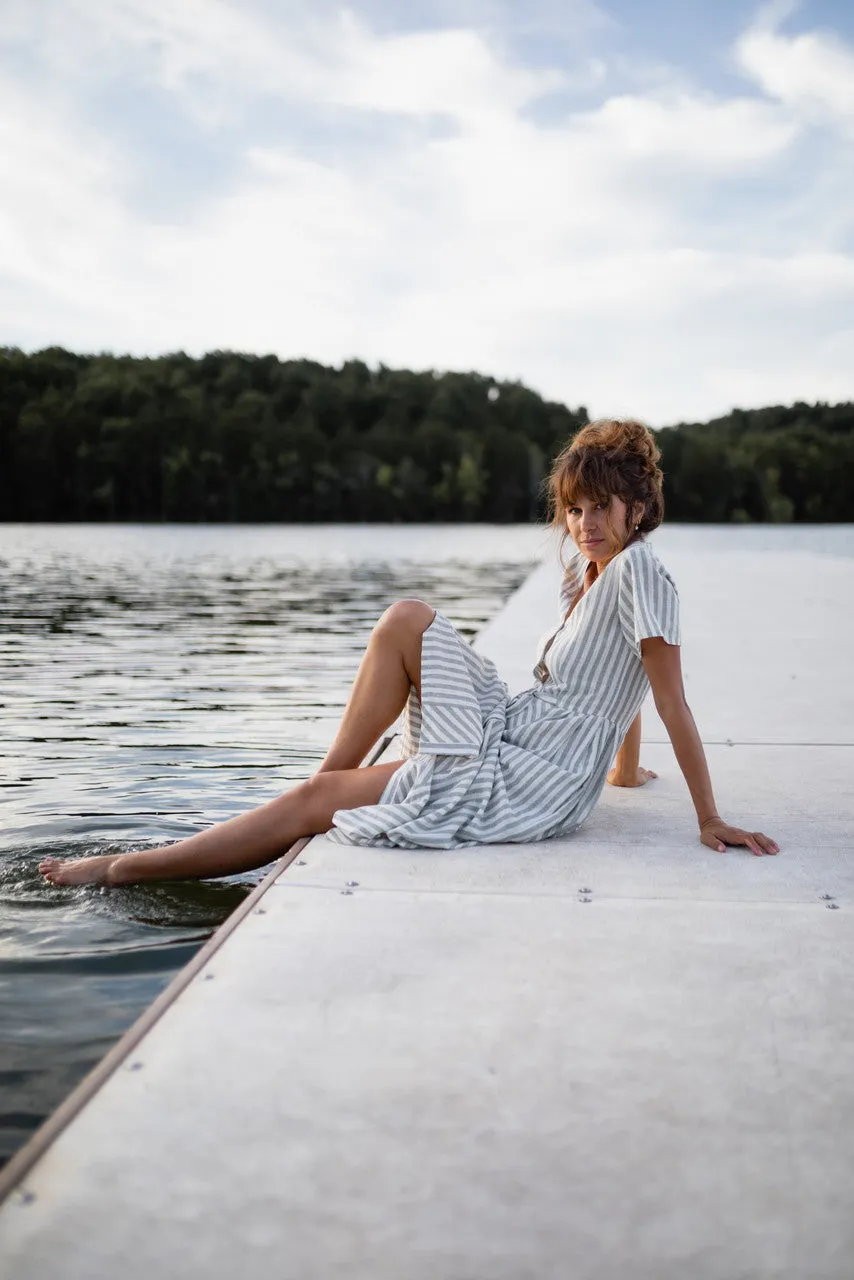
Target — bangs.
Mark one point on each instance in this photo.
(588, 473)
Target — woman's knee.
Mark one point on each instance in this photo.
(407, 617)
(317, 800)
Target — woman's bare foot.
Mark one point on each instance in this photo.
(642, 776)
(78, 870)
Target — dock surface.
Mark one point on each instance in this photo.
(619, 1055)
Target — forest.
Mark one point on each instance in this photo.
(237, 437)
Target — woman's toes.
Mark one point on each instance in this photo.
(52, 869)
(81, 870)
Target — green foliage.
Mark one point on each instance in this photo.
(778, 464)
(235, 437)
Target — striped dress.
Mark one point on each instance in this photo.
(485, 767)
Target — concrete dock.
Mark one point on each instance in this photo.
(616, 1056)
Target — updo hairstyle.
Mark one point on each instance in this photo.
(608, 457)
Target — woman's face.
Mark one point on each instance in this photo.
(599, 531)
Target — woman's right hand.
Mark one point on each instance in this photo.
(717, 834)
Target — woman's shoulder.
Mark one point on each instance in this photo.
(640, 558)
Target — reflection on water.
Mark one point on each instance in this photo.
(153, 680)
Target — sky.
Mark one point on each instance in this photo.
(642, 207)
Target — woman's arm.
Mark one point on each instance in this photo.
(663, 665)
(627, 771)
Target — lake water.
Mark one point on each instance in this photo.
(156, 679)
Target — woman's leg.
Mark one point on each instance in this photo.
(391, 664)
(240, 844)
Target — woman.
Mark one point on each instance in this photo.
(480, 766)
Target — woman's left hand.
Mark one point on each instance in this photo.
(717, 834)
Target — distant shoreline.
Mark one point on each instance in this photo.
(229, 438)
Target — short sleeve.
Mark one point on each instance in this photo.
(649, 601)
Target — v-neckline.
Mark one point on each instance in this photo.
(584, 592)
(541, 665)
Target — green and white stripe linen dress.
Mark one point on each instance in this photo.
(487, 767)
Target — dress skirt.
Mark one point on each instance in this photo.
(482, 766)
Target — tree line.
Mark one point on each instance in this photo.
(236, 437)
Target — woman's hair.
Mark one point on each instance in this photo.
(608, 457)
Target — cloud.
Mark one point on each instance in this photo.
(393, 195)
(57, 213)
(812, 73)
(695, 131)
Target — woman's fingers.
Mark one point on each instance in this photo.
(757, 842)
(718, 835)
(736, 836)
